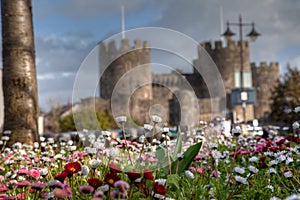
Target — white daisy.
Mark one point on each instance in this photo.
(288, 174)
(271, 171)
(253, 159)
(239, 170)
(253, 169)
(273, 162)
(189, 174)
(241, 179)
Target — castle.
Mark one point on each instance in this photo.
(127, 81)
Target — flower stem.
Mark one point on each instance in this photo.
(168, 156)
(124, 136)
(232, 163)
(143, 147)
(130, 190)
(195, 188)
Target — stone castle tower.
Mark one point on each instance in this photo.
(125, 71)
(127, 74)
(115, 62)
(262, 77)
(265, 77)
(227, 59)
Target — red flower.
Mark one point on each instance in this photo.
(21, 196)
(262, 159)
(148, 175)
(23, 172)
(111, 178)
(159, 189)
(62, 176)
(35, 173)
(200, 171)
(72, 168)
(114, 168)
(133, 175)
(263, 165)
(94, 182)
(3, 188)
(280, 142)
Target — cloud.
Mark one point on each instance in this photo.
(67, 30)
(61, 53)
(277, 21)
(58, 58)
(79, 8)
(296, 62)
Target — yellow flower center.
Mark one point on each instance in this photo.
(72, 169)
(111, 181)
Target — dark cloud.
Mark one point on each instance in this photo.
(61, 50)
(88, 8)
(276, 20)
(62, 53)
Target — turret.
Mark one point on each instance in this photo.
(265, 77)
(115, 62)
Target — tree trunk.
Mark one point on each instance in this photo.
(19, 73)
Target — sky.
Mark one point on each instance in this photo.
(67, 31)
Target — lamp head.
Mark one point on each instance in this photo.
(228, 33)
(253, 34)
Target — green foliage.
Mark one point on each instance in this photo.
(104, 120)
(67, 123)
(178, 146)
(188, 157)
(286, 96)
(161, 153)
(176, 165)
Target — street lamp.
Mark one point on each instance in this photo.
(253, 36)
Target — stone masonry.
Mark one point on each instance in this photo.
(147, 92)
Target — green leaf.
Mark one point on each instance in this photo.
(161, 155)
(178, 146)
(187, 160)
(173, 181)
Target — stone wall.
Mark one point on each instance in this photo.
(142, 97)
(116, 62)
(227, 58)
(265, 77)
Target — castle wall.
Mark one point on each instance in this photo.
(206, 111)
(265, 77)
(198, 85)
(140, 98)
(123, 60)
(228, 61)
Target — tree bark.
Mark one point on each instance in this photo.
(19, 72)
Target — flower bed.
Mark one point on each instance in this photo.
(198, 168)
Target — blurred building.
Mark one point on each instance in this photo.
(144, 90)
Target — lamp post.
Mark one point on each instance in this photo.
(253, 36)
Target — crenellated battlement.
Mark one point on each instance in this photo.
(219, 45)
(111, 48)
(123, 57)
(264, 66)
(116, 60)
